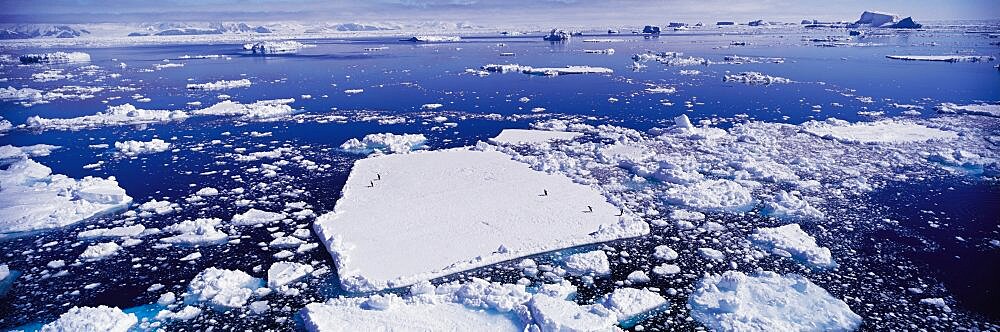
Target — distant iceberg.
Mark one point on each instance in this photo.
(557, 35)
(434, 39)
(876, 19)
(271, 47)
(57, 57)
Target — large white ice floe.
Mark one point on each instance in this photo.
(261, 109)
(275, 47)
(525, 136)
(281, 274)
(593, 263)
(34, 199)
(974, 109)
(92, 319)
(943, 58)
(884, 131)
(714, 195)
(752, 77)
(220, 85)
(55, 57)
(385, 143)
(132, 148)
(114, 116)
(222, 289)
(462, 209)
(791, 241)
(255, 217)
(481, 305)
(546, 71)
(734, 301)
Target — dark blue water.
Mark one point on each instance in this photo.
(401, 78)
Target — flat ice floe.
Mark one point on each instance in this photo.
(453, 210)
(220, 85)
(546, 71)
(114, 116)
(434, 39)
(261, 109)
(55, 57)
(353, 315)
(132, 148)
(385, 143)
(885, 131)
(975, 109)
(752, 77)
(92, 319)
(524, 136)
(791, 241)
(945, 58)
(734, 301)
(34, 199)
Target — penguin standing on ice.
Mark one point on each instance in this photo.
(371, 184)
(590, 209)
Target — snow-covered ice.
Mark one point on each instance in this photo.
(219, 85)
(734, 301)
(385, 143)
(791, 241)
(525, 136)
(496, 206)
(132, 148)
(752, 77)
(975, 109)
(55, 57)
(943, 58)
(114, 116)
(255, 217)
(588, 263)
(884, 131)
(222, 289)
(92, 319)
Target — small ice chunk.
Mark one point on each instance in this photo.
(223, 289)
(588, 263)
(92, 319)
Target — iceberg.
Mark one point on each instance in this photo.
(943, 58)
(464, 209)
(56, 57)
(753, 78)
(34, 199)
(433, 39)
(906, 23)
(262, 109)
(133, 148)
(876, 19)
(557, 35)
(554, 71)
(275, 47)
(734, 301)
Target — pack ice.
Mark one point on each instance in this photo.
(404, 218)
(33, 199)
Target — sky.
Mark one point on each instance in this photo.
(484, 12)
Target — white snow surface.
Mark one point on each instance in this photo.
(92, 319)
(525, 136)
(451, 210)
(55, 57)
(280, 274)
(714, 195)
(974, 109)
(385, 143)
(943, 58)
(884, 131)
(195, 232)
(791, 241)
(262, 109)
(255, 216)
(114, 116)
(734, 301)
(34, 199)
(627, 303)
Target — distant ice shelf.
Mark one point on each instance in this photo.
(944, 58)
(453, 210)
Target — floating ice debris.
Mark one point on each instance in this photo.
(711, 254)
(937, 302)
(37, 150)
(628, 303)
(28, 97)
(976, 109)
(791, 241)
(207, 191)
(604, 51)
(669, 59)
(201, 231)
(944, 58)
(752, 77)
(661, 89)
(506, 68)
(434, 39)
(281, 274)
(594, 263)
(791, 206)
(119, 232)
(100, 251)
(34, 199)
(666, 269)
(255, 217)
(884, 131)
(132, 148)
(92, 319)
(734, 301)
(554, 314)
(713, 195)
(524, 136)
(162, 66)
(275, 47)
(186, 313)
(663, 252)
(431, 106)
(262, 109)
(392, 314)
(484, 196)
(56, 57)
(114, 116)
(220, 85)
(385, 143)
(354, 91)
(222, 289)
